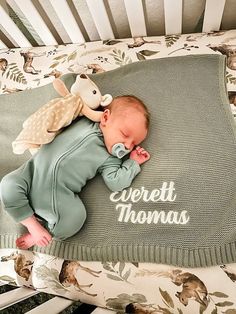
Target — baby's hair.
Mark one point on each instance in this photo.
(131, 100)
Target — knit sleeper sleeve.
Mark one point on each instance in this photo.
(119, 175)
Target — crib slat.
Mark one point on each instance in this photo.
(100, 310)
(56, 305)
(2, 283)
(134, 10)
(100, 18)
(36, 21)
(14, 296)
(9, 25)
(173, 16)
(213, 15)
(66, 17)
(2, 45)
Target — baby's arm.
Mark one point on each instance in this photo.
(140, 155)
(119, 175)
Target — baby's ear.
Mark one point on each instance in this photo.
(105, 116)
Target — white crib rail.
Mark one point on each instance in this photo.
(100, 17)
(213, 15)
(173, 16)
(136, 18)
(35, 19)
(14, 296)
(55, 305)
(2, 45)
(9, 25)
(64, 16)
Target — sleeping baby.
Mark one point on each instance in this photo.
(47, 186)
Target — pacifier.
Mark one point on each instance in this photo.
(119, 150)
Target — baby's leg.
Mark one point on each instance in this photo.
(72, 217)
(14, 196)
(37, 234)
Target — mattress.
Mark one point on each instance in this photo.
(122, 287)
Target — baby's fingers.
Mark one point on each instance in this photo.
(139, 149)
(145, 154)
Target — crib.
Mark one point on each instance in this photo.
(43, 40)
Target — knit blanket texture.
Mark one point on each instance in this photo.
(181, 208)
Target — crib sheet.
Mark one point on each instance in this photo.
(153, 288)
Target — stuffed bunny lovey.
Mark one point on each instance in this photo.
(43, 125)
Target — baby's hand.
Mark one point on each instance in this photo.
(140, 155)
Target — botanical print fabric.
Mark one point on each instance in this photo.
(123, 287)
(24, 68)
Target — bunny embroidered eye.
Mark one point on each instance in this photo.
(94, 92)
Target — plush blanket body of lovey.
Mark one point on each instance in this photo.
(181, 208)
(42, 126)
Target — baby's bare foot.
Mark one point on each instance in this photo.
(44, 241)
(25, 242)
(28, 240)
(40, 235)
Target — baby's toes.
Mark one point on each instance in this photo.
(48, 237)
(25, 241)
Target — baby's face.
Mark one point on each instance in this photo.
(127, 127)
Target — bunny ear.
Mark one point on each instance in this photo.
(60, 87)
(106, 100)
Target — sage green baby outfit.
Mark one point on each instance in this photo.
(48, 184)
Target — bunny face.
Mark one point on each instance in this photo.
(87, 90)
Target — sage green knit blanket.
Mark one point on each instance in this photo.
(181, 208)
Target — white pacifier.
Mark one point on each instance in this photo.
(119, 150)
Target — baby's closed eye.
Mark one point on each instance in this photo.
(124, 134)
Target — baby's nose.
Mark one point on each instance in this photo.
(129, 145)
